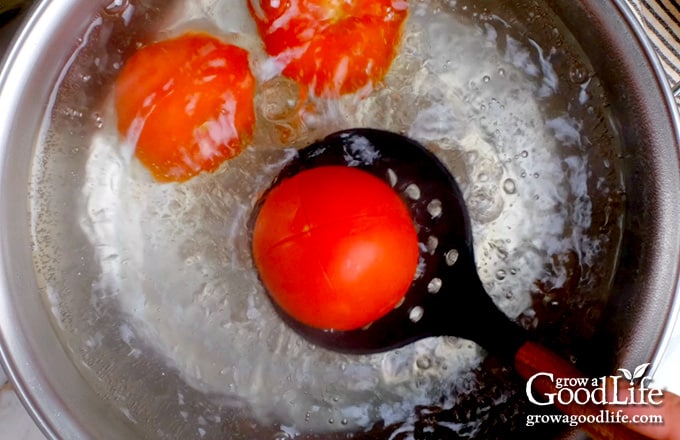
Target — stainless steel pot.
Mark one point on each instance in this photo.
(633, 327)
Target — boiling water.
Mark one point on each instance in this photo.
(174, 259)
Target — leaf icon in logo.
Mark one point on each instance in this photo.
(626, 373)
(639, 372)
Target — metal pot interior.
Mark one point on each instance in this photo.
(552, 117)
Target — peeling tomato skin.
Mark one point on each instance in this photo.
(186, 104)
(335, 247)
(333, 47)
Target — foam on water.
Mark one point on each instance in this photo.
(176, 258)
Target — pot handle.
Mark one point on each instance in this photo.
(532, 359)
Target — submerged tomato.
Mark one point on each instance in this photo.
(331, 46)
(335, 247)
(186, 104)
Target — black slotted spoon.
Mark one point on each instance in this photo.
(447, 297)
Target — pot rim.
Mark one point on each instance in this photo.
(27, 367)
(672, 329)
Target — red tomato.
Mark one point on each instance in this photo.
(187, 105)
(331, 46)
(335, 247)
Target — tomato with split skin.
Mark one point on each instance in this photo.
(335, 247)
(334, 47)
(186, 105)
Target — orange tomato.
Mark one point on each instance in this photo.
(186, 104)
(333, 47)
(335, 247)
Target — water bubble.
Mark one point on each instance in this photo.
(331, 421)
(279, 99)
(344, 421)
(424, 362)
(281, 436)
(524, 154)
(72, 113)
(485, 202)
(500, 249)
(98, 120)
(509, 186)
(501, 71)
(578, 74)
(116, 7)
(486, 78)
(501, 274)
(536, 175)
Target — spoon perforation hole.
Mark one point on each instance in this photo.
(432, 244)
(434, 208)
(392, 177)
(412, 191)
(435, 285)
(451, 257)
(416, 314)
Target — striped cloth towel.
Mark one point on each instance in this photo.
(661, 19)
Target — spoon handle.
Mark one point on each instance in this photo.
(532, 359)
